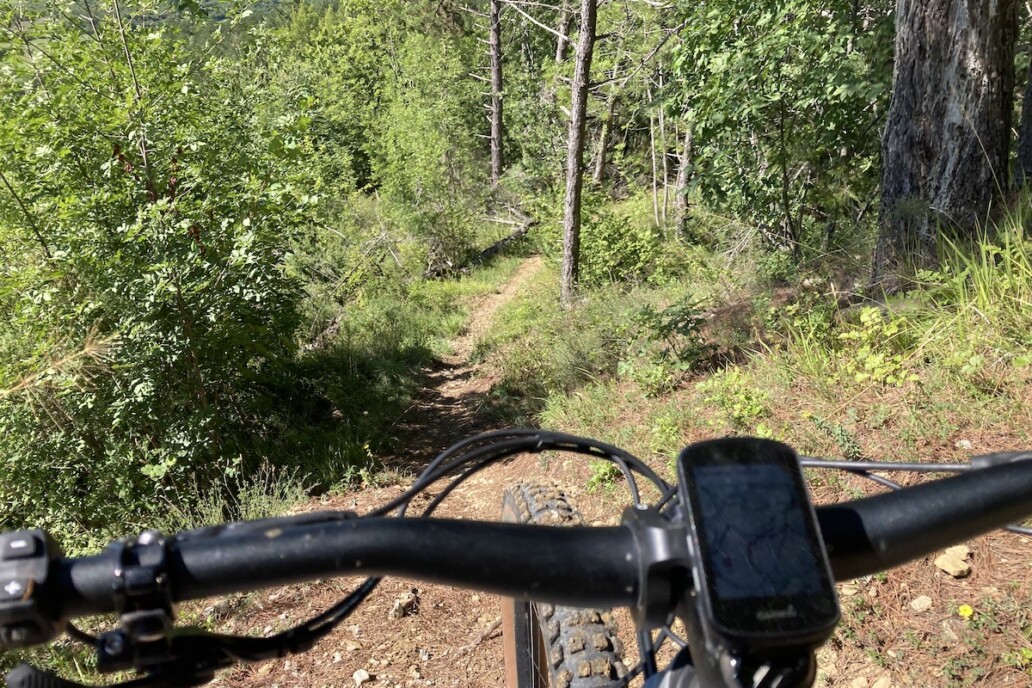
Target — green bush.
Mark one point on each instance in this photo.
(144, 286)
(730, 391)
(616, 249)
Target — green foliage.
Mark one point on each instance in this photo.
(785, 99)
(874, 349)
(843, 439)
(264, 493)
(669, 343)
(145, 290)
(679, 329)
(425, 153)
(988, 280)
(730, 391)
(614, 249)
(604, 475)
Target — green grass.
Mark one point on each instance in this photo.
(948, 361)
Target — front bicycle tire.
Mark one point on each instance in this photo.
(545, 644)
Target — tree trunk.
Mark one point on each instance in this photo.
(565, 22)
(575, 154)
(655, 174)
(663, 159)
(945, 144)
(495, 42)
(1023, 170)
(681, 185)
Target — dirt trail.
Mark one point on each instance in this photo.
(451, 637)
(453, 395)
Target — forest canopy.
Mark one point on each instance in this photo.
(196, 197)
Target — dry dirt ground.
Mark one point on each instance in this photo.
(451, 638)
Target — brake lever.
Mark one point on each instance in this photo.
(27, 676)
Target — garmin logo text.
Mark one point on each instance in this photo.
(788, 612)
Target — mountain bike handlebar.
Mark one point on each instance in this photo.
(586, 566)
(644, 564)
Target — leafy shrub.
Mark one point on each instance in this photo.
(729, 390)
(874, 349)
(614, 249)
(653, 377)
(669, 343)
(604, 475)
(148, 307)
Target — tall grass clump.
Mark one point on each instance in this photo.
(976, 309)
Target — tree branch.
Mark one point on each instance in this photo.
(33, 225)
(531, 19)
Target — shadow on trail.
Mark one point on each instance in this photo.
(367, 402)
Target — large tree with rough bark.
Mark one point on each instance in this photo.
(946, 142)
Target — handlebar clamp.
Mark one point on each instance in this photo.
(25, 558)
(143, 601)
(141, 576)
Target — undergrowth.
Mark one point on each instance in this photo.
(936, 373)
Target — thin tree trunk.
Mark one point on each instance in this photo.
(652, 150)
(495, 41)
(565, 22)
(790, 233)
(681, 185)
(29, 217)
(663, 151)
(1023, 169)
(945, 144)
(575, 154)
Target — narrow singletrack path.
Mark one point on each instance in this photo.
(450, 637)
(449, 406)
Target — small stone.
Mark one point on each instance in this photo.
(962, 551)
(361, 676)
(921, 604)
(949, 630)
(404, 605)
(953, 561)
(963, 444)
(883, 681)
(849, 589)
(859, 682)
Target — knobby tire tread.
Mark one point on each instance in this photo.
(582, 647)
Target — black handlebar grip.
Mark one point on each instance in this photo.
(874, 534)
(25, 676)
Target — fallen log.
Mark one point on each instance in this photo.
(479, 259)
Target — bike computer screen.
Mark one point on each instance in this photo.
(760, 561)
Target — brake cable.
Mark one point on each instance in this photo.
(190, 657)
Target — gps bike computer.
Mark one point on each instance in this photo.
(761, 572)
